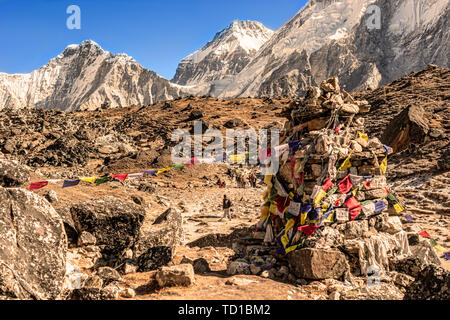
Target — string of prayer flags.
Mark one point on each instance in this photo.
(70, 183)
(396, 204)
(37, 185)
(322, 192)
(346, 164)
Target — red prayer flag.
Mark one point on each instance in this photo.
(282, 203)
(346, 185)
(328, 184)
(37, 185)
(354, 207)
(308, 230)
(121, 177)
(424, 234)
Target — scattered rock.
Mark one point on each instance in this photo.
(51, 196)
(180, 275)
(12, 174)
(86, 239)
(238, 267)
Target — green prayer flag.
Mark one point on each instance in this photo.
(100, 181)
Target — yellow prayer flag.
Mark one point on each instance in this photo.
(89, 179)
(303, 218)
(273, 208)
(268, 180)
(291, 248)
(319, 197)
(398, 208)
(383, 166)
(164, 170)
(363, 136)
(264, 213)
(347, 164)
(439, 248)
(237, 158)
(330, 218)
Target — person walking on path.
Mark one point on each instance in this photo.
(226, 208)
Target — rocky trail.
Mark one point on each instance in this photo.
(162, 238)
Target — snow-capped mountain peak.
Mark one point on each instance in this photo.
(84, 76)
(227, 54)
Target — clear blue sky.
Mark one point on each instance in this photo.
(156, 33)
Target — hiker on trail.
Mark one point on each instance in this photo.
(238, 180)
(252, 179)
(243, 181)
(226, 208)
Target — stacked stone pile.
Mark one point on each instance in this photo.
(329, 208)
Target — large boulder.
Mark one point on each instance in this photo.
(12, 174)
(33, 247)
(114, 223)
(410, 126)
(317, 264)
(432, 283)
(157, 240)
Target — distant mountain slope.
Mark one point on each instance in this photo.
(329, 37)
(227, 54)
(86, 77)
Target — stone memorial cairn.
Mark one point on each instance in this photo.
(328, 207)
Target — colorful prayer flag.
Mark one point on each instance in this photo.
(135, 175)
(409, 218)
(398, 208)
(121, 177)
(383, 166)
(308, 230)
(354, 206)
(37, 185)
(424, 234)
(346, 164)
(163, 170)
(150, 172)
(363, 136)
(70, 183)
(103, 180)
(89, 179)
(447, 255)
(345, 185)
